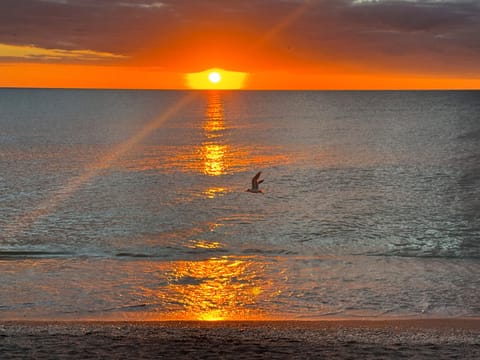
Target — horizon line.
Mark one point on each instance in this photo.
(228, 90)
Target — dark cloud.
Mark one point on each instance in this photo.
(414, 15)
(420, 35)
(113, 26)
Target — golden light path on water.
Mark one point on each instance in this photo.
(50, 204)
(221, 288)
(217, 288)
(216, 155)
(212, 151)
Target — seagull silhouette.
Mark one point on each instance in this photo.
(255, 183)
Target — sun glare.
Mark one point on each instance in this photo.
(216, 79)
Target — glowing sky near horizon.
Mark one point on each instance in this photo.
(281, 44)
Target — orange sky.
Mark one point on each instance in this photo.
(280, 44)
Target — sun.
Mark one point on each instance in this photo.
(214, 77)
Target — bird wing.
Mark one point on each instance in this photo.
(255, 181)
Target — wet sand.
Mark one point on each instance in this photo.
(336, 339)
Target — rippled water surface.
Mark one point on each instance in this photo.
(132, 204)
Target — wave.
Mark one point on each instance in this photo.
(29, 254)
(424, 255)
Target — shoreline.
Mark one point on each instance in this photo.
(438, 338)
(401, 322)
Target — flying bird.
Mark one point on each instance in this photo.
(255, 183)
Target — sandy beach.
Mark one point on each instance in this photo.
(332, 339)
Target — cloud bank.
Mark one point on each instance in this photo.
(391, 35)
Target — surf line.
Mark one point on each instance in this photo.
(47, 206)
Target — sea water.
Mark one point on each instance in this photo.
(132, 204)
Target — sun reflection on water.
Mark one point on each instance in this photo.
(217, 289)
(214, 159)
(203, 244)
(213, 152)
(214, 116)
(213, 192)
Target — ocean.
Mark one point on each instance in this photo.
(131, 205)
